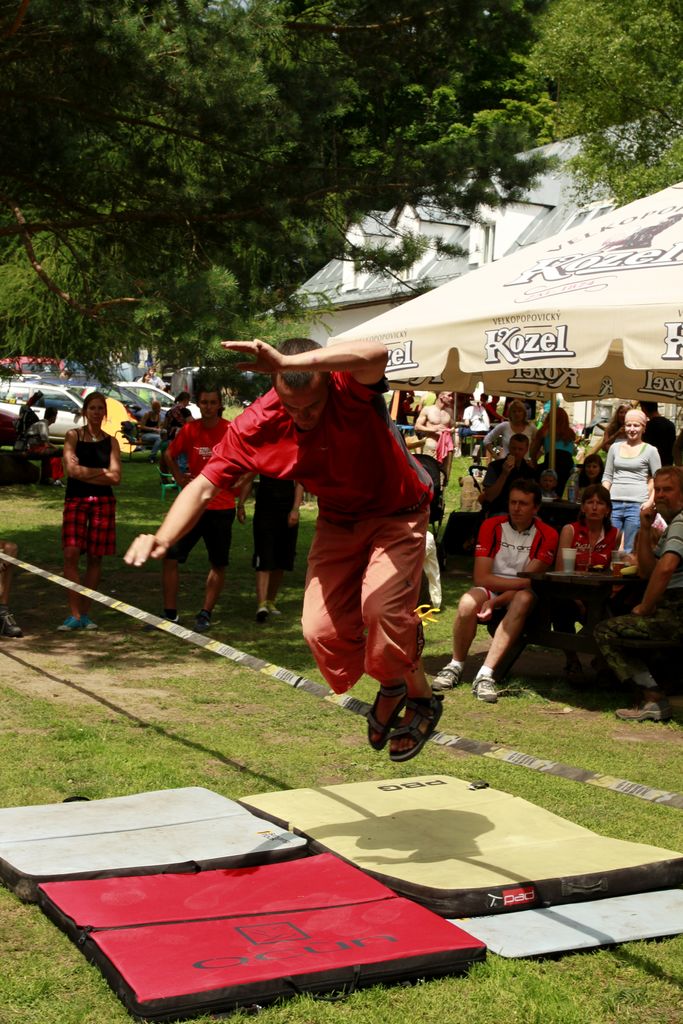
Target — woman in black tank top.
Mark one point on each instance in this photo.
(92, 464)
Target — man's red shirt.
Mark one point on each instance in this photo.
(354, 459)
(198, 442)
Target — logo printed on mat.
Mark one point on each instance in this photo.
(517, 897)
(412, 785)
(288, 946)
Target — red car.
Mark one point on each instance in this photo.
(8, 433)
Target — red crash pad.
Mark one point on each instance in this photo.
(179, 945)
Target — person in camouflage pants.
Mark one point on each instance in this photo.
(659, 616)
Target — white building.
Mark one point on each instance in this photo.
(339, 296)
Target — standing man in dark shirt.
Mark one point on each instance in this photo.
(502, 473)
(659, 432)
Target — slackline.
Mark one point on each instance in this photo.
(482, 748)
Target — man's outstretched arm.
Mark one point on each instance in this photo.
(364, 360)
(183, 514)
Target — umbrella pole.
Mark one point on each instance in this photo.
(553, 430)
(393, 408)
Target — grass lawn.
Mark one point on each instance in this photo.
(121, 711)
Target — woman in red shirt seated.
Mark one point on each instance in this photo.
(595, 539)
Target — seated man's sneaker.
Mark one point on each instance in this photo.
(483, 688)
(649, 711)
(446, 678)
(8, 625)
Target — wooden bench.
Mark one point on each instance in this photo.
(640, 644)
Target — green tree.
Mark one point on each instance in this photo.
(172, 169)
(615, 65)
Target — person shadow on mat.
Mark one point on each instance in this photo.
(419, 836)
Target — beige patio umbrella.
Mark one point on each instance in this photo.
(593, 312)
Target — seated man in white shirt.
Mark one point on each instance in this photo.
(475, 419)
(506, 545)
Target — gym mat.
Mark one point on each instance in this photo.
(650, 915)
(180, 945)
(466, 851)
(165, 830)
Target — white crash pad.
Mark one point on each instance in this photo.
(648, 915)
(165, 830)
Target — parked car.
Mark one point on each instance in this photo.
(8, 427)
(135, 405)
(149, 393)
(29, 365)
(14, 391)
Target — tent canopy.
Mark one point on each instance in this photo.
(593, 312)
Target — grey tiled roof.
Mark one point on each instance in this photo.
(551, 194)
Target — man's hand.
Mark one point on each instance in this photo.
(268, 359)
(640, 609)
(486, 610)
(293, 517)
(241, 514)
(647, 515)
(143, 547)
(509, 464)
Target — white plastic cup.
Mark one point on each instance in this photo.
(568, 559)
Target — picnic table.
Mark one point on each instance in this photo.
(592, 588)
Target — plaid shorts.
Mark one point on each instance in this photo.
(90, 524)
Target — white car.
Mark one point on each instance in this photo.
(15, 391)
(149, 392)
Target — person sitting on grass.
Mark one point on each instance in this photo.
(150, 430)
(38, 443)
(506, 545)
(325, 424)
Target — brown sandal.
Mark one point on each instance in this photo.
(426, 709)
(384, 728)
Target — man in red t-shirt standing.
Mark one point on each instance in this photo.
(325, 424)
(196, 441)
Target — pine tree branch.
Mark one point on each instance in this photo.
(18, 20)
(325, 28)
(88, 311)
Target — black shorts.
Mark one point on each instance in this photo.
(274, 542)
(214, 527)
